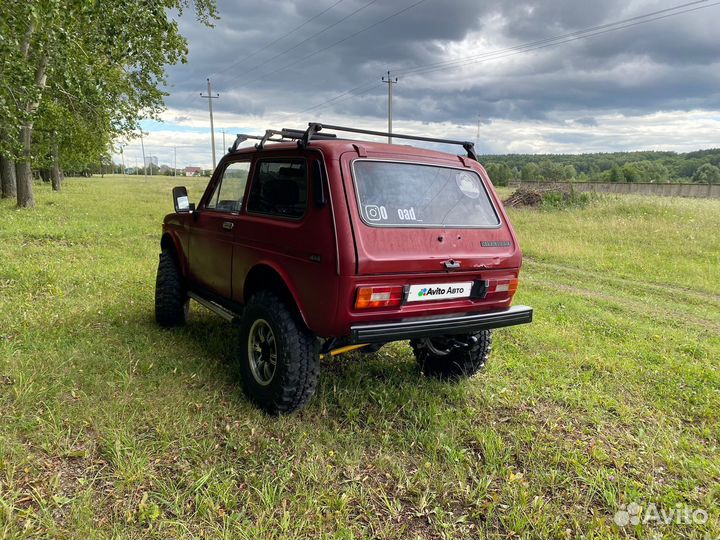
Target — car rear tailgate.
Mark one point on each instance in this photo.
(412, 217)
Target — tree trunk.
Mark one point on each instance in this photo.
(55, 172)
(44, 175)
(7, 178)
(25, 197)
(23, 172)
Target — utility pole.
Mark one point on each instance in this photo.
(122, 157)
(210, 97)
(390, 83)
(477, 137)
(175, 167)
(142, 145)
(224, 149)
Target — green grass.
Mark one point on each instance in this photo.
(111, 427)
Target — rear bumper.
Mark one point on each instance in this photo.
(434, 326)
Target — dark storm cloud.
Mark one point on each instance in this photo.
(669, 64)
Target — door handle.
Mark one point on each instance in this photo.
(228, 225)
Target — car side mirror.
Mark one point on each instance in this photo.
(319, 184)
(181, 201)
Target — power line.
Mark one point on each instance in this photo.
(318, 51)
(273, 42)
(264, 62)
(555, 38)
(357, 95)
(503, 53)
(366, 89)
(534, 45)
(561, 39)
(361, 8)
(347, 93)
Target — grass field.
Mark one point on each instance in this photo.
(111, 427)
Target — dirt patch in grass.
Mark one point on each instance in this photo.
(46, 486)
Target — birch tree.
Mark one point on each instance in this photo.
(83, 69)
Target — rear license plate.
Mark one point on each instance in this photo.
(439, 291)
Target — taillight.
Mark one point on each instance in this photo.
(375, 297)
(503, 285)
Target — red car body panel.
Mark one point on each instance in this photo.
(325, 256)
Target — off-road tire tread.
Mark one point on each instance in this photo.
(459, 364)
(300, 349)
(170, 293)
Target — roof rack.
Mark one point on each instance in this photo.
(313, 133)
(314, 128)
(241, 138)
(280, 136)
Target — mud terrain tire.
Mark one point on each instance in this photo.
(279, 358)
(453, 357)
(171, 299)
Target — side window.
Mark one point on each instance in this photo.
(229, 192)
(279, 188)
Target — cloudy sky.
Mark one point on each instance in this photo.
(555, 76)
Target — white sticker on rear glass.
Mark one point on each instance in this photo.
(375, 213)
(468, 184)
(406, 214)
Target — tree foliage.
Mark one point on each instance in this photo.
(609, 167)
(707, 174)
(83, 72)
(499, 173)
(616, 174)
(530, 172)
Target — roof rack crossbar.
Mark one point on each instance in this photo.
(303, 138)
(265, 138)
(299, 134)
(314, 127)
(242, 137)
(273, 135)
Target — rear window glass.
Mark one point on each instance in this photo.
(409, 195)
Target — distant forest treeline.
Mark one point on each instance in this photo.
(702, 166)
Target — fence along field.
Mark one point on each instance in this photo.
(709, 191)
(113, 427)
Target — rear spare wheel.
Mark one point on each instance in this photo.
(453, 357)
